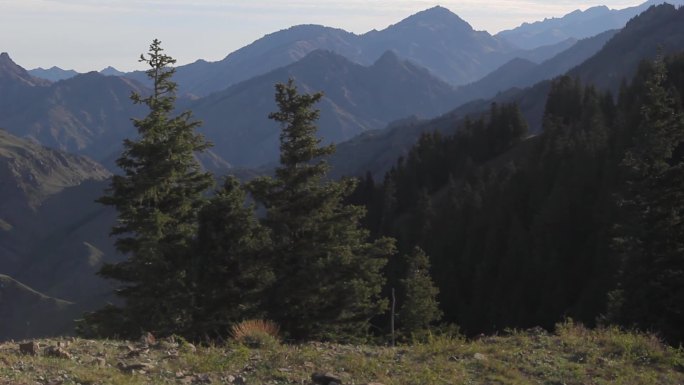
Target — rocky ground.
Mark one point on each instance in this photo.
(572, 355)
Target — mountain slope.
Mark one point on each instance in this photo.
(30, 172)
(521, 73)
(26, 313)
(84, 114)
(577, 24)
(53, 237)
(29, 175)
(656, 31)
(356, 99)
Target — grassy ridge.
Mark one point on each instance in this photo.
(572, 355)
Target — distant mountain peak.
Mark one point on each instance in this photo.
(52, 74)
(435, 16)
(6, 61)
(12, 73)
(111, 71)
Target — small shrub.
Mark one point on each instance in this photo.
(256, 333)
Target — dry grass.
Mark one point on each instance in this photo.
(573, 355)
(256, 333)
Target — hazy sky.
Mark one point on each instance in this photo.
(89, 35)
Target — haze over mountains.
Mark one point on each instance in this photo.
(578, 24)
(424, 73)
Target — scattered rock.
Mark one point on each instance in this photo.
(480, 357)
(202, 379)
(30, 348)
(100, 362)
(141, 366)
(326, 379)
(57, 352)
(137, 352)
(239, 380)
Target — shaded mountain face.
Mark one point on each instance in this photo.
(619, 58)
(577, 24)
(29, 175)
(88, 114)
(57, 250)
(52, 74)
(26, 313)
(357, 99)
(31, 172)
(658, 30)
(53, 237)
(435, 39)
(522, 73)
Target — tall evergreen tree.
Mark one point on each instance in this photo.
(157, 198)
(420, 308)
(327, 276)
(651, 294)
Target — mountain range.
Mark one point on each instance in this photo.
(616, 61)
(357, 99)
(577, 24)
(85, 114)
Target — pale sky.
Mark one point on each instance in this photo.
(88, 35)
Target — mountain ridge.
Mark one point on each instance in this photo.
(576, 24)
(357, 98)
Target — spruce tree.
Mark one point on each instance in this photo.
(157, 198)
(650, 294)
(327, 275)
(231, 272)
(420, 308)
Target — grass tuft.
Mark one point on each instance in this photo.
(256, 333)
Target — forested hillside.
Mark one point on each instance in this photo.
(524, 231)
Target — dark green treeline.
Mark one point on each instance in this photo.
(583, 220)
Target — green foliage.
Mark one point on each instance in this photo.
(327, 276)
(230, 271)
(419, 308)
(650, 295)
(522, 231)
(157, 198)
